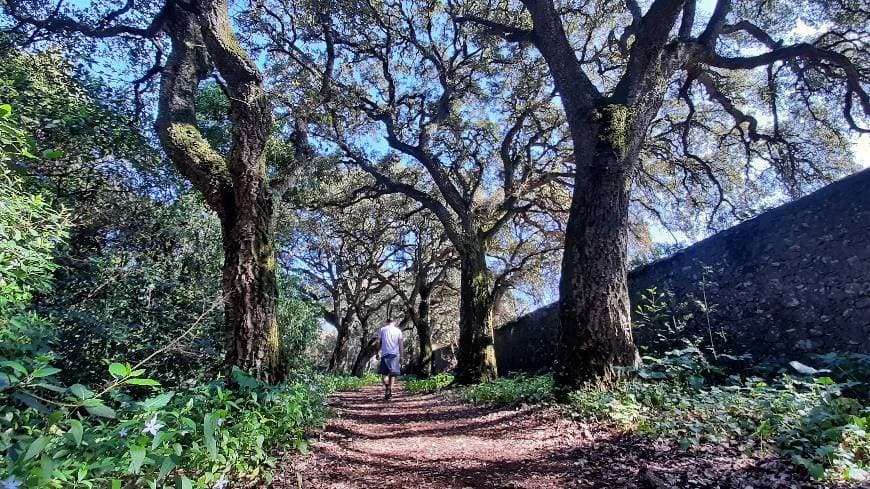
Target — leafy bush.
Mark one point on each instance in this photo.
(129, 431)
(192, 438)
(332, 383)
(432, 384)
(851, 370)
(807, 420)
(520, 388)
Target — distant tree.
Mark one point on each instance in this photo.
(341, 248)
(674, 98)
(420, 270)
(421, 111)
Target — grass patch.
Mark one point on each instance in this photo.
(333, 383)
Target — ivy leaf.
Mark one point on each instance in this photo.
(13, 364)
(52, 154)
(45, 372)
(137, 457)
(157, 402)
(210, 424)
(81, 391)
(119, 370)
(101, 410)
(76, 430)
(142, 382)
(36, 448)
(165, 468)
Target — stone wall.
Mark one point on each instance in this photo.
(791, 282)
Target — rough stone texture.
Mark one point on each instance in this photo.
(791, 282)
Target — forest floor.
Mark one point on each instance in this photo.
(430, 441)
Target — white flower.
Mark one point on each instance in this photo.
(123, 432)
(220, 422)
(221, 483)
(152, 427)
(12, 482)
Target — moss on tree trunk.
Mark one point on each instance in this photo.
(476, 357)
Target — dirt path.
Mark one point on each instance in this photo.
(427, 441)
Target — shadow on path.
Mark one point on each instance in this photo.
(428, 441)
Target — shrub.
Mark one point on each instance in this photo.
(332, 383)
(432, 384)
(194, 437)
(520, 388)
(129, 431)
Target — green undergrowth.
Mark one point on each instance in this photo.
(124, 436)
(817, 422)
(347, 382)
(432, 384)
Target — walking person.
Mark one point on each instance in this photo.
(390, 350)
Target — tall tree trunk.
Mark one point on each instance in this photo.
(250, 310)
(236, 186)
(424, 333)
(595, 332)
(368, 348)
(476, 358)
(607, 134)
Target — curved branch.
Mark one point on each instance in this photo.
(61, 23)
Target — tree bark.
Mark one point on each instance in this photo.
(424, 333)
(476, 356)
(339, 353)
(235, 187)
(607, 134)
(368, 348)
(595, 333)
(250, 310)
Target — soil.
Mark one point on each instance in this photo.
(430, 441)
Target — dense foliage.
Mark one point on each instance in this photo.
(139, 296)
(816, 422)
(431, 162)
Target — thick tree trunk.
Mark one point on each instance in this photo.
(476, 358)
(595, 333)
(235, 187)
(251, 328)
(368, 349)
(424, 333)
